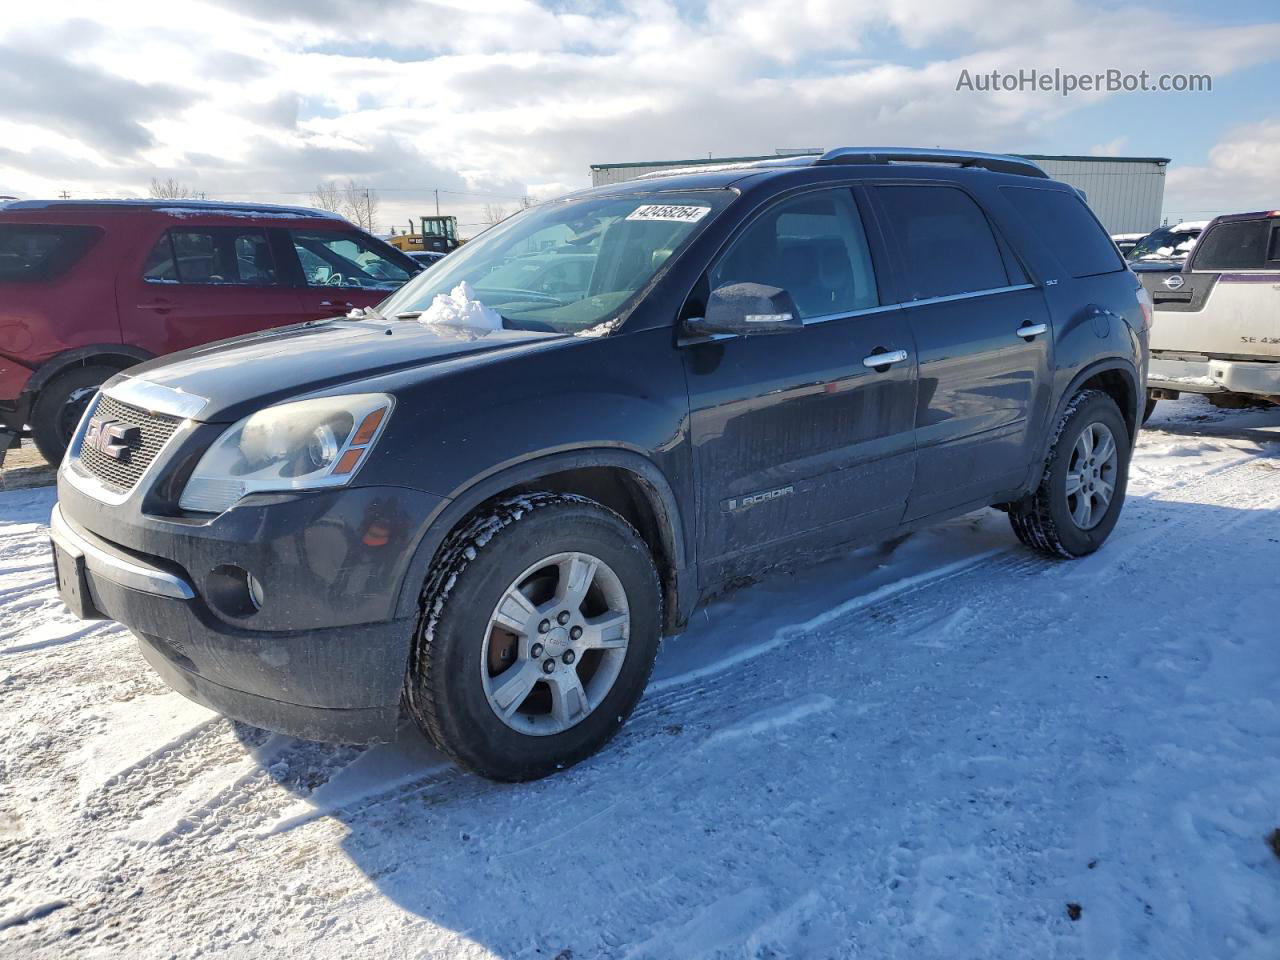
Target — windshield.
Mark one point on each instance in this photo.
(567, 265)
(1166, 243)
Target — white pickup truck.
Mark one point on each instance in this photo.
(1217, 320)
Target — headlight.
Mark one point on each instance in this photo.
(293, 446)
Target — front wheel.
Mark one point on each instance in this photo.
(60, 405)
(1081, 492)
(539, 632)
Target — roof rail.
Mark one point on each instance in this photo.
(995, 162)
(212, 207)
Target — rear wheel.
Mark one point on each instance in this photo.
(540, 630)
(1085, 476)
(60, 405)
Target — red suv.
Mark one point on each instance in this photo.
(90, 287)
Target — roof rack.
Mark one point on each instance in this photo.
(797, 160)
(995, 162)
(212, 207)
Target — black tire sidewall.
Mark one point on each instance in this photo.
(465, 725)
(53, 397)
(1097, 409)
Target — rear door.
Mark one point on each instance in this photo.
(982, 331)
(342, 269)
(203, 283)
(797, 441)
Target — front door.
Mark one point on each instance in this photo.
(797, 441)
(982, 331)
(343, 269)
(199, 284)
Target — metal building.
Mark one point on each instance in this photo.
(1127, 193)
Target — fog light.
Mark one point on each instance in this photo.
(233, 591)
(255, 591)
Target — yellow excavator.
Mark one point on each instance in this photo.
(438, 234)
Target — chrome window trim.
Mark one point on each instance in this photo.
(826, 317)
(132, 574)
(949, 298)
(869, 311)
(864, 312)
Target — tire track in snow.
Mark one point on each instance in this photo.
(891, 614)
(908, 606)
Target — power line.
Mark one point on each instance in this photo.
(422, 190)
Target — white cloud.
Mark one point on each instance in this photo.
(1112, 148)
(1240, 176)
(256, 99)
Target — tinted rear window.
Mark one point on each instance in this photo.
(1066, 224)
(945, 239)
(1239, 245)
(34, 252)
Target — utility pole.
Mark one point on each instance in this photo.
(64, 195)
(437, 193)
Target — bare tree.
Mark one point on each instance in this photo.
(361, 206)
(171, 189)
(494, 213)
(358, 204)
(327, 196)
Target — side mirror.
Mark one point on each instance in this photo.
(747, 310)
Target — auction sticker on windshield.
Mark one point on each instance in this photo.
(681, 213)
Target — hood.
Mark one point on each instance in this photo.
(1156, 266)
(238, 376)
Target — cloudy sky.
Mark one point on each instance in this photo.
(488, 101)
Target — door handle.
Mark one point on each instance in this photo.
(159, 306)
(344, 304)
(885, 359)
(1029, 330)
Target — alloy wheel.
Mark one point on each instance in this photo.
(1091, 475)
(555, 643)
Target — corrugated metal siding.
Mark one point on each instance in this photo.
(1127, 195)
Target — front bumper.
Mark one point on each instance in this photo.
(324, 658)
(1215, 376)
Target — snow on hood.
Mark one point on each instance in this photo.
(460, 308)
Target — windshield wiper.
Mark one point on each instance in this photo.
(409, 315)
(364, 313)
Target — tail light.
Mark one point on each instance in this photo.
(1148, 310)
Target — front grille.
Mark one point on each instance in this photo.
(155, 429)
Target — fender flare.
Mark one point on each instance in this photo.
(650, 479)
(1132, 417)
(119, 354)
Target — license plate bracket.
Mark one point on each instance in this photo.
(73, 583)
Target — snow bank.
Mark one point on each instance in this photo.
(460, 308)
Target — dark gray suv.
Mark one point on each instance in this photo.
(485, 501)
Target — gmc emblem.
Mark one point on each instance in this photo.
(112, 438)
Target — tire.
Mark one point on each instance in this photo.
(59, 406)
(1149, 409)
(1049, 520)
(456, 665)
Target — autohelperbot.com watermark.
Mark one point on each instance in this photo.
(1066, 83)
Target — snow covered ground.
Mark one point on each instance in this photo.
(927, 749)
